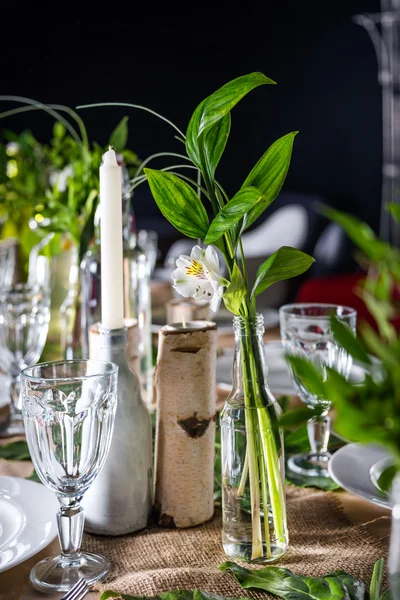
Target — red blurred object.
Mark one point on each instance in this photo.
(342, 289)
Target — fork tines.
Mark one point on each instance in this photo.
(78, 590)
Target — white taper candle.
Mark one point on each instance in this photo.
(112, 303)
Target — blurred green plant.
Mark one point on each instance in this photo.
(366, 412)
(54, 187)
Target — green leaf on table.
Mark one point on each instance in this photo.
(285, 263)
(321, 483)
(236, 291)
(346, 338)
(172, 595)
(376, 580)
(232, 212)
(285, 584)
(119, 136)
(15, 451)
(269, 174)
(178, 202)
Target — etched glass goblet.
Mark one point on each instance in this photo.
(69, 409)
(306, 331)
(24, 323)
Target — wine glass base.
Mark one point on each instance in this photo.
(59, 574)
(309, 465)
(12, 427)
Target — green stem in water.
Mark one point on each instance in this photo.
(275, 484)
(251, 451)
(264, 492)
(244, 476)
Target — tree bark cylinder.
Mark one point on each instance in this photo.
(187, 309)
(185, 379)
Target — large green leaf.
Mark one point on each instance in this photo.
(225, 98)
(346, 338)
(285, 584)
(192, 138)
(285, 263)
(269, 174)
(215, 142)
(214, 108)
(119, 136)
(236, 291)
(178, 202)
(232, 212)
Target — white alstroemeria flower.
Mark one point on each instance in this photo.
(198, 276)
(60, 178)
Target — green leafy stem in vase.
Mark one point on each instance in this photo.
(180, 200)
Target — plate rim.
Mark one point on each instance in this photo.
(375, 497)
(50, 536)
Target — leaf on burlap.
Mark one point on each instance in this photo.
(15, 451)
(337, 585)
(174, 595)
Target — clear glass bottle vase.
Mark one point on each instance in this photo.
(254, 525)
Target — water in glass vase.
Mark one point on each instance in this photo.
(253, 497)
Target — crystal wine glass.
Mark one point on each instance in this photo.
(24, 323)
(306, 331)
(69, 409)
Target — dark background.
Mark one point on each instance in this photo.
(324, 64)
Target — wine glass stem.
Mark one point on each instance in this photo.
(318, 429)
(70, 521)
(15, 397)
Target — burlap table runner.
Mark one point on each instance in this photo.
(156, 560)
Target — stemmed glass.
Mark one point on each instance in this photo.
(24, 323)
(306, 331)
(148, 242)
(69, 409)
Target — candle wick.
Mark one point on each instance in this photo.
(183, 322)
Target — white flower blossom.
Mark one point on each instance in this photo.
(198, 276)
(60, 178)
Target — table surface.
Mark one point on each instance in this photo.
(14, 582)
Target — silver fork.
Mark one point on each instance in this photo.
(78, 590)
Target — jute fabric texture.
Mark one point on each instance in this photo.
(155, 560)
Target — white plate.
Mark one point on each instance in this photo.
(279, 379)
(350, 467)
(27, 519)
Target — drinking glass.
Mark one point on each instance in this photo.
(24, 322)
(306, 331)
(69, 409)
(148, 242)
